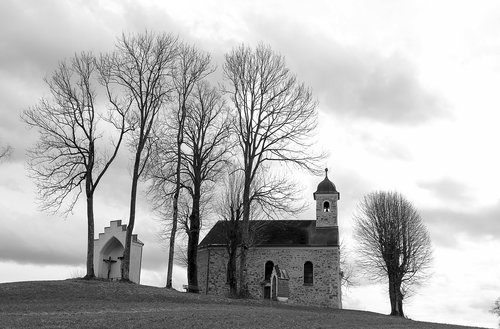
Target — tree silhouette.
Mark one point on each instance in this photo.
(393, 244)
(275, 117)
(141, 71)
(69, 155)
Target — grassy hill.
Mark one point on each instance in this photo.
(98, 304)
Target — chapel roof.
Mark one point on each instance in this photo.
(273, 233)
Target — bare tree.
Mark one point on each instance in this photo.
(66, 158)
(192, 67)
(276, 116)
(393, 244)
(141, 68)
(203, 159)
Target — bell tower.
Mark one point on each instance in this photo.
(326, 197)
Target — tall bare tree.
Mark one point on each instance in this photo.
(393, 244)
(192, 66)
(276, 116)
(203, 160)
(141, 69)
(66, 157)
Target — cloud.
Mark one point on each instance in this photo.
(30, 237)
(35, 36)
(32, 248)
(447, 189)
(352, 81)
(447, 226)
(391, 92)
(383, 145)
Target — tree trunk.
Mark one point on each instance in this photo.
(193, 238)
(175, 216)
(232, 238)
(175, 210)
(90, 236)
(395, 296)
(400, 302)
(125, 266)
(171, 248)
(232, 250)
(243, 289)
(231, 274)
(392, 296)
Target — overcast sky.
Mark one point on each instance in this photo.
(408, 101)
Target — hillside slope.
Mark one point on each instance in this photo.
(98, 304)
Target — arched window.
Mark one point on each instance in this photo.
(308, 273)
(326, 206)
(268, 270)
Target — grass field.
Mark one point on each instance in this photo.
(98, 304)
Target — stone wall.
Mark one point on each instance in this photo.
(213, 261)
(325, 290)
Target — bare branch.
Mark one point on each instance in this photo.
(5, 152)
(347, 271)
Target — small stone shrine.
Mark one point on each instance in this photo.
(108, 253)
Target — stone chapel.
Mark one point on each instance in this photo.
(297, 261)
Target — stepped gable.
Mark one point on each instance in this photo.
(117, 226)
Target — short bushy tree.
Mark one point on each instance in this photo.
(393, 244)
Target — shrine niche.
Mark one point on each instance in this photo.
(108, 253)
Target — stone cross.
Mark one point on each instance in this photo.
(110, 262)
